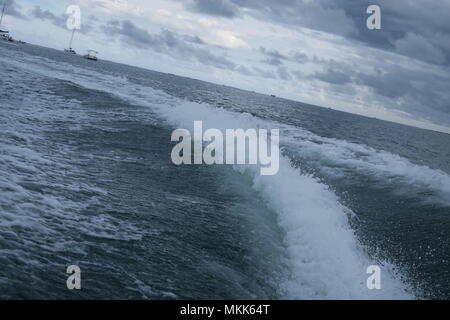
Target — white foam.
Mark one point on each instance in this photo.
(366, 160)
(326, 260)
(31, 197)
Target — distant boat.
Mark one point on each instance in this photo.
(92, 55)
(4, 35)
(3, 12)
(273, 96)
(70, 50)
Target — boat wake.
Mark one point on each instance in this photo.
(325, 257)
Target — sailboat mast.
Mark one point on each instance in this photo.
(3, 12)
(71, 38)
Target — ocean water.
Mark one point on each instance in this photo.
(86, 179)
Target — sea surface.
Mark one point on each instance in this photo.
(86, 179)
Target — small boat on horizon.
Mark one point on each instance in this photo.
(4, 34)
(70, 50)
(92, 55)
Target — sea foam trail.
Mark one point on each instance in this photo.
(325, 257)
(338, 153)
(367, 160)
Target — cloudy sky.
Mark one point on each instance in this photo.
(314, 51)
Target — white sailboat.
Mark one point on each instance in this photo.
(70, 50)
(3, 12)
(4, 34)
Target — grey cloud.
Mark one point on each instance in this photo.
(417, 30)
(275, 54)
(265, 73)
(13, 9)
(193, 39)
(299, 57)
(59, 20)
(166, 42)
(283, 74)
(422, 93)
(93, 18)
(306, 13)
(405, 26)
(416, 46)
(244, 70)
(410, 87)
(224, 8)
(333, 76)
(276, 58)
(400, 19)
(272, 61)
(273, 57)
(298, 75)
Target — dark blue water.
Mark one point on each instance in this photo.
(86, 178)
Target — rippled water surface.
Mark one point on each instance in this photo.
(86, 178)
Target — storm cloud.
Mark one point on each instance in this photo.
(166, 42)
(423, 93)
(322, 46)
(59, 20)
(13, 9)
(416, 30)
(276, 58)
(224, 8)
(406, 25)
